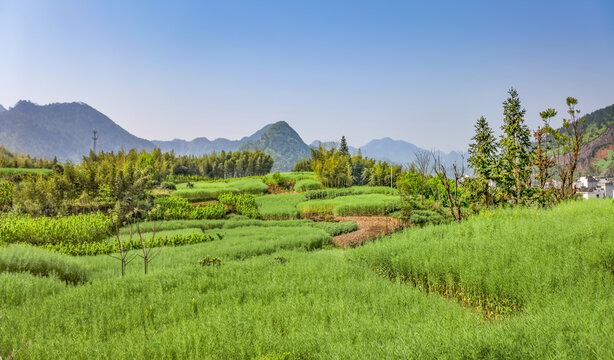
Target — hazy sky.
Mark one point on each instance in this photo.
(421, 71)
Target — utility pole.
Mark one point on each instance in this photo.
(95, 138)
(391, 176)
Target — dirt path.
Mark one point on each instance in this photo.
(369, 227)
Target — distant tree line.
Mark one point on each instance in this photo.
(109, 178)
(15, 160)
(335, 167)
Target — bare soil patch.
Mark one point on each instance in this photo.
(369, 227)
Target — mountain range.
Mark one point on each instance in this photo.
(64, 130)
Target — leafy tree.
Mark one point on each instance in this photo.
(574, 128)
(483, 157)
(331, 167)
(541, 156)
(515, 150)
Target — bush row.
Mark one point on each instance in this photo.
(243, 204)
(307, 184)
(356, 190)
(109, 247)
(19, 258)
(44, 230)
(174, 208)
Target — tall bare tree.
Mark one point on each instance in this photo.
(423, 165)
(453, 191)
(574, 129)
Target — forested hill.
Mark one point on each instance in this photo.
(62, 130)
(282, 143)
(598, 122)
(597, 155)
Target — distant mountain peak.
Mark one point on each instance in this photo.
(283, 143)
(2, 108)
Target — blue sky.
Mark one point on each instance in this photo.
(421, 71)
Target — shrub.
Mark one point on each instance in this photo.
(205, 191)
(6, 195)
(424, 217)
(355, 190)
(24, 258)
(167, 185)
(73, 229)
(243, 204)
(109, 247)
(174, 208)
(304, 185)
(210, 261)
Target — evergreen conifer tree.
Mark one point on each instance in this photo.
(483, 156)
(514, 167)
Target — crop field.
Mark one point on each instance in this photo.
(515, 283)
(205, 191)
(370, 204)
(279, 206)
(306, 184)
(5, 172)
(293, 177)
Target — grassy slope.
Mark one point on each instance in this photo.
(204, 191)
(279, 206)
(368, 204)
(331, 304)
(22, 171)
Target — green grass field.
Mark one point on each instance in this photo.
(546, 275)
(204, 191)
(369, 204)
(5, 172)
(279, 206)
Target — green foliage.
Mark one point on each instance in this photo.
(354, 190)
(28, 259)
(331, 167)
(174, 208)
(515, 156)
(305, 185)
(129, 243)
(14, 160)
(210, 261)
(205, 191)
(303, 164)
(242, 204)
(75, 229)
(597, 123)
(10, 172)
(368, 204)
(168, 185)
(279, 206)
(6, 195)
(226, 164)
(483, 158)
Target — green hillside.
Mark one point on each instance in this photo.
(282, 143)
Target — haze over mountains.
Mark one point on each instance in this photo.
(64, 130)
